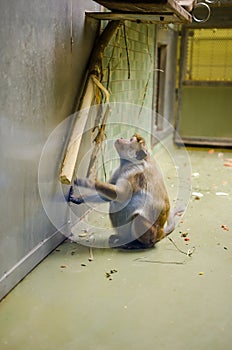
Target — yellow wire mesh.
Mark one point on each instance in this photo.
(209, 55)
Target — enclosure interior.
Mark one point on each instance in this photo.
(169, 82)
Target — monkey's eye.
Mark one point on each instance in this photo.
(133, 138)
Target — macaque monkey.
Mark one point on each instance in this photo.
(139, 204)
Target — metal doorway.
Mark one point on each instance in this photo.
(205, 87)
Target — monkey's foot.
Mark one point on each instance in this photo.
(135, 245)
(115, 241)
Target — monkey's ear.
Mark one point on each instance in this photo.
(141, 154)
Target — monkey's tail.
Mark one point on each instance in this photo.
(171, 223)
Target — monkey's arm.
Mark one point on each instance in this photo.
(95, 198)
(120, 192)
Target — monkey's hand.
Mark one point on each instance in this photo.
(71, 198)
(76, 200)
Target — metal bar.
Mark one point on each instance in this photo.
(214, 83)
(204, 141)
(182, 73)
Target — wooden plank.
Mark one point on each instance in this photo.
(167, 17)
(147, 6)
(137, 6)
(69, 162)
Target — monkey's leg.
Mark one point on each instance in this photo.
(142, 235)
(122, 237)
(136, 244)
(146, 233)
(137, 234)
(118, 241)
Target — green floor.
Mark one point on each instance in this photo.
(155, 299)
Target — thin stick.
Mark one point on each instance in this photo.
(103, 162)
(98, 142)
(70, 158)
(144, 93)
(160, 262)
(91, 258)
(71, 26)
(117, 37)
(127, 52)
(188, 253)
(101, 87)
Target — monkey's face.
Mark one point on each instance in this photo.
(133, 149)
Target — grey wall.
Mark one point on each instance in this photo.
(169, 36)
(41, 75)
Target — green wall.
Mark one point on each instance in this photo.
(206, 112)
(128, 74)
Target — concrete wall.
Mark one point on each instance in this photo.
(44, 49)
(165, 95)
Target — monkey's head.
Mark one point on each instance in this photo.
(133, 149)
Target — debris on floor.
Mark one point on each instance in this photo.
(211, 151)
(197, 195)
(110, 273)
(195, 174)
(188, 253)
(225, 227)
(63, 266)
(90, 254)
(228, 162)
(184, 234)
(144, 260)
(222, 194)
